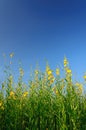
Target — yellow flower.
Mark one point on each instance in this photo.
(50, 77)
(68, 71)
(12, 93)
(2, 108)
(57, 92)
(11, 55)
(0, 104)
(57, 71)
(36, 72)
(25, 94)
(77, 84)
(49, 72)
(84, 77)
(52, 80)
(65, 62)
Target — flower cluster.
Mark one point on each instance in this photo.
(50, 75)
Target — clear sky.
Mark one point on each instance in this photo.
(36, 30)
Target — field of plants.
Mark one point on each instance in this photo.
(48, 102)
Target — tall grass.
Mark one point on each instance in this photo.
(48, 102)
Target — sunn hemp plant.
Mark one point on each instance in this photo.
(48, 102)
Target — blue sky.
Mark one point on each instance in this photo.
(40, 30)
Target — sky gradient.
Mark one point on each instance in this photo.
(40, 30)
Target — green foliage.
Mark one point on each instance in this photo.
(48, 102)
